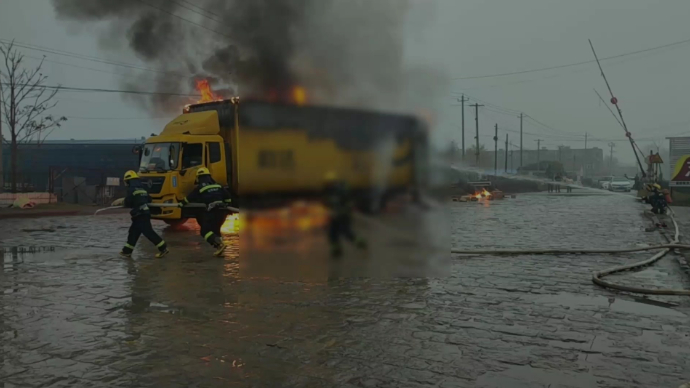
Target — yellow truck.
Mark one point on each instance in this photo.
(267, 154)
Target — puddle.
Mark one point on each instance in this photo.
(612, 303)
(528, 377)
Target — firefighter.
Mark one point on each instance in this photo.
(657, 199)
(648, 190)
(138, 199)
(216, 199)
(340, 206)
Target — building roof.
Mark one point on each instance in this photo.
(101, 141)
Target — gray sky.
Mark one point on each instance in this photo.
(464, 38)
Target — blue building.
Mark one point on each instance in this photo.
(44, 167)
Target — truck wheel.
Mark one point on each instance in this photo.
(176, 223)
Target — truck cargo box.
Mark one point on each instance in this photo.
(284, 150)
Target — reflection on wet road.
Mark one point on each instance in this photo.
(84, 317)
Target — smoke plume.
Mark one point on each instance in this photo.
(343, 52)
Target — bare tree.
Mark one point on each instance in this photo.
(24, 103)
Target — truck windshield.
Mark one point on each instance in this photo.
(159, 157)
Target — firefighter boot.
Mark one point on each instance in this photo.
(162, 253)
(127, 251)
(220, 247)
(162, 249)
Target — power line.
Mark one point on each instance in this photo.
(99, 90)
(87, 57)
(557, 75)
(187, 7)
(552, 135)
(500, 111)
(562, 135)
(77, 66)
(544, 125)
(115, 118)
(496, 110)
(576, 63)
(185, 19)
(513, 111)
(191, 4)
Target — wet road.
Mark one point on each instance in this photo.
(84, 317)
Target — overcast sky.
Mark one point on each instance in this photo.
(466, 38)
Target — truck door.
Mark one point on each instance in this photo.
(192, 160)
(228, 165)
(215, 163)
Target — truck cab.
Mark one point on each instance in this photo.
(168, 162)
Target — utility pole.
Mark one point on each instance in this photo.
(585, 140)
(496, 150)
(521, 116)
(476, 124)
(2, 172)
(511, 156)
(462, 102)
(611, 144)
(538, 151)
(506, 157)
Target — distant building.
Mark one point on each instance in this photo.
(94, 160)
(590, 160)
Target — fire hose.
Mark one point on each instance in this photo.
(159, 205)
(597, 277)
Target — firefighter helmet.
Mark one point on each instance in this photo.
(131, 175)
(203, 171)
(657, 186)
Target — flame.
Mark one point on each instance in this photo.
(482, 194)
(296, 95)
(231, 224)
(299, 217)
(207, 95)
(299, 95)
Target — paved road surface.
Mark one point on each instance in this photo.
(81, 317)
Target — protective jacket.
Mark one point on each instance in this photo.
(209, 193)
(137, 199)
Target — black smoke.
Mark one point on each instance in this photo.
(345, 52)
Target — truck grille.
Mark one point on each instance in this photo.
(153, 185)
